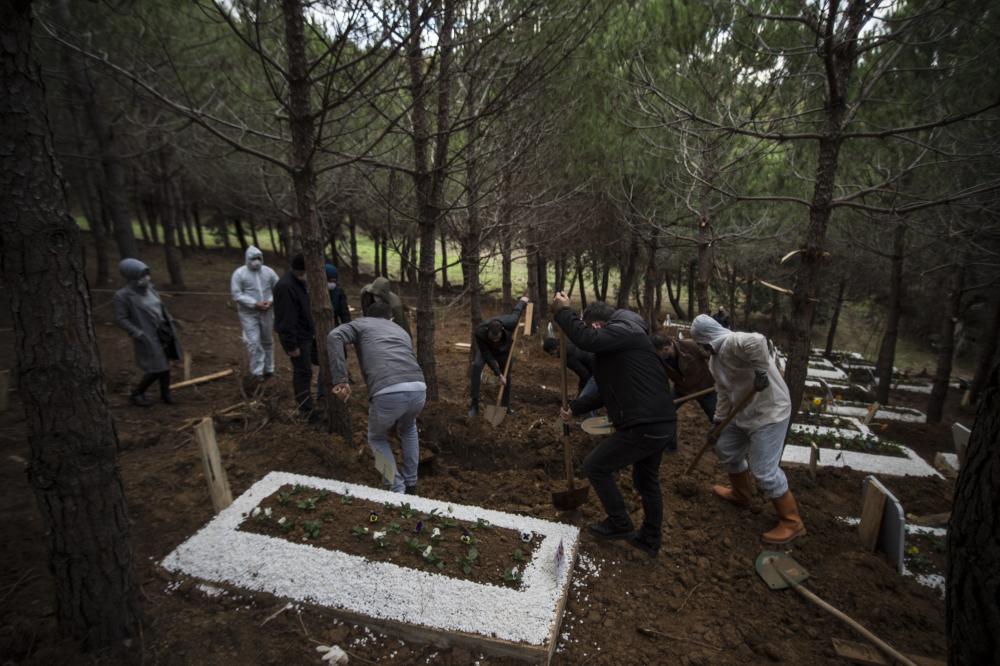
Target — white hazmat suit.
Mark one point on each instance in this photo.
(252, 284)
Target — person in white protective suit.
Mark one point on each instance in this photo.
(251, 288)
(741, 366)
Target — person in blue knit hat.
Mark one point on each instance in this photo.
(338, 299)
(140, 313)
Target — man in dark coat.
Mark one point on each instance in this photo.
(294, 325)
(687, 367)
(723, 318)
(636, 394)
(495, 337)
(580, 362)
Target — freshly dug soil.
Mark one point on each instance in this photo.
(495, 546)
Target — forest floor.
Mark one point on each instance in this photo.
(702, 588)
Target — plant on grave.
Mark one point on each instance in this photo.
(518, 556)
(327, 512)
(322, 495)
(413, 544)
(359, 532)
(261, 515)
(480, 524)
(282, 499)
(406, 511)
(419, 527)
(307, 504)
(468, 539)
(346, 499)
(298, 489)
(920, 561)
(394, 528)
(468, 559)
(447, 522)
(940, 545)
(286, 525)
(430, 516)
(527, 536)
(511, 576)
(433, 559)
(389, 507)
(379, 538)
(372, 517)
(436, 536)
(311, 528)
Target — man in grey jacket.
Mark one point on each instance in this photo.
(396, 388)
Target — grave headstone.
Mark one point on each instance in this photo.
(961, 436)
(892, 529)
(872, 381)
(826, 387)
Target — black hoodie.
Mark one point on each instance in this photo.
(631, 383)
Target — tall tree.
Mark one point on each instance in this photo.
(74, 469)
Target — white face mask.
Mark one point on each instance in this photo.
(331, 285)
(301, 278)
(256, 263)
(143, 281)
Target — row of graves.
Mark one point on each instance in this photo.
(833, 431)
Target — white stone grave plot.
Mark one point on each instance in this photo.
(832, 372)
(884, 413)
(413, 604)
(934, 581)
(917, 385)
(912, 464)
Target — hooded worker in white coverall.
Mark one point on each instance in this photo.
(251, 288)
(740, 365)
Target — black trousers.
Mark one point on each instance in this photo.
(302, 374)
(151, 377)
(477, 372)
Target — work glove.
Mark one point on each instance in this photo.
(712, 436)
(760, 381)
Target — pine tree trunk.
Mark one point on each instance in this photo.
(149, 205)
(375, 262)
(411, 270)
(177, 210)
(946, 347)
(628, 275)
(594, 274)
(605, 276)
(355, 272)
(704, 241)
(507, 302)
(74, 470)
(748, 305)
(532, 261)
(583, 284)
(543, 280)
(304, 181)
(834, 320)
(650, 286)
(692, 269)
(986, 355)
(253, 232)
(887, 351)
(445, 285)
(972, 608)
(90, 200)
(675, 301)
(167, 222)
(240, 236)
(772, 329)
(137, 197)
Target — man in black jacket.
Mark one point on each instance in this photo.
(636, 394)
(294, 326)
(495, 337)
(580, 362)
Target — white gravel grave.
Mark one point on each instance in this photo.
(911, 465)
(221, 553)
(909, 416)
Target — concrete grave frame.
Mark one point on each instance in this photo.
(413, 604)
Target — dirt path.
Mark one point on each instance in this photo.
(703, 585)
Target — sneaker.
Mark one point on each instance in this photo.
(473, 410)
(511, 412)
(139, 400)
(315, 417)
(411, 490)
(272, 375)
(167, 398)
(605, 531)
(637, 542)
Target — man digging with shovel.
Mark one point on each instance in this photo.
(741, 365)
(636, 393)
(494, 337)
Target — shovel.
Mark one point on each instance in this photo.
(780, 572)
(600, 425)
(573, 497)
(495, 414)
(720, 428)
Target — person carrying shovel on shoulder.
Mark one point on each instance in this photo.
(636, 394)
(740, 365)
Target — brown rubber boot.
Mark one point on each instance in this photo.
(789, 523)
(740, 494)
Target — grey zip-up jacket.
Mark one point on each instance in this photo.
(385, 353)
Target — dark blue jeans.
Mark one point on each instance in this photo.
(477, 372)
(707, 402)
(642, 447)
(302, 374)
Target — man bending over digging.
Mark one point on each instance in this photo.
(740, 364)
(396, 388)
(636, 393)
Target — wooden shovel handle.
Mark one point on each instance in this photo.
(720, 428)
(567, 449)
(506, 367)
(685, 398)
(879, 643)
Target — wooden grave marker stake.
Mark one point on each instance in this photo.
(813, 460)
(871, 413)
(528, 312)
(871, 517)
(4, 390)
(215, 474)
(187, 367)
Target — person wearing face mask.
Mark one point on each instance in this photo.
(252, 285)
(294, 325)
(338, 299)
(140, 313)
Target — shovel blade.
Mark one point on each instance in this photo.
(495, 415)
(599, 425)
(768, 564)
(571, 499)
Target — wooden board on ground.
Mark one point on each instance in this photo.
(942, 465)
(869, 655)
(892, 532)
(814, 460)
(187, 367)
(202, 380)
(215, 474)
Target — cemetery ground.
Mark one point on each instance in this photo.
(702, 593)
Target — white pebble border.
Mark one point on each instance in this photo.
(911, 465)
(221, 553)
(913, 416)
(933, 581)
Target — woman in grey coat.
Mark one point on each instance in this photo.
(141, 314)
